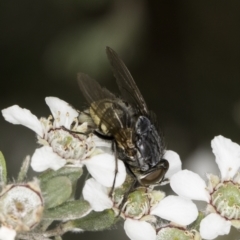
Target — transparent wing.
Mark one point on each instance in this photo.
(126, 84)
(92, 90)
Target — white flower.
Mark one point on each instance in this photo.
(98, 197)
(7, 233)
(173, 208)
(65, 142)
(107, 163)
(142, 206)
(49, 133)
(222, 207)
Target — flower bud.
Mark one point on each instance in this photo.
(21, 206)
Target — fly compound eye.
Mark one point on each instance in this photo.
(153, 177)
(156, 176)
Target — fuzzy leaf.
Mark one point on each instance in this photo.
(73, 173)
(95, 221)
(57, 191)
(3, 169)
(68, 211)
(24, 169)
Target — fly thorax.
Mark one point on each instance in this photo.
(124, 139)
(142, 125)
(148, 143)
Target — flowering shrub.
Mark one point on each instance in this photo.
(68, 146)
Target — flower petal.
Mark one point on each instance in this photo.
(174, 161)
(61, 111)
(214, 225)
(190, 185)
(139, 230)
(7, 233)
(44, 158)
(18, 115)
(176, 209)
(102, 168)
(227, 156)
(92, 189)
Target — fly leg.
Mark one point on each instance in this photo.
(132, 187)
(114, 148)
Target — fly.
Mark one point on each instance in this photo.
(128, 121)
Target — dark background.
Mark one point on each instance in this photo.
(184, 56)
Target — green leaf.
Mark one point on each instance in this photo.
(24, 169)
(95, 221)
(3, 169)
(73, 173)
(68, 211)
(56, 191)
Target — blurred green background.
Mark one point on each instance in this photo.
(184, 56)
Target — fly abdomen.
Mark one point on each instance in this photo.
(111, 115)
(99, 111)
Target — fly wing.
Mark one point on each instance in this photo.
(126, 84)
(92, 90)
(108, 112)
